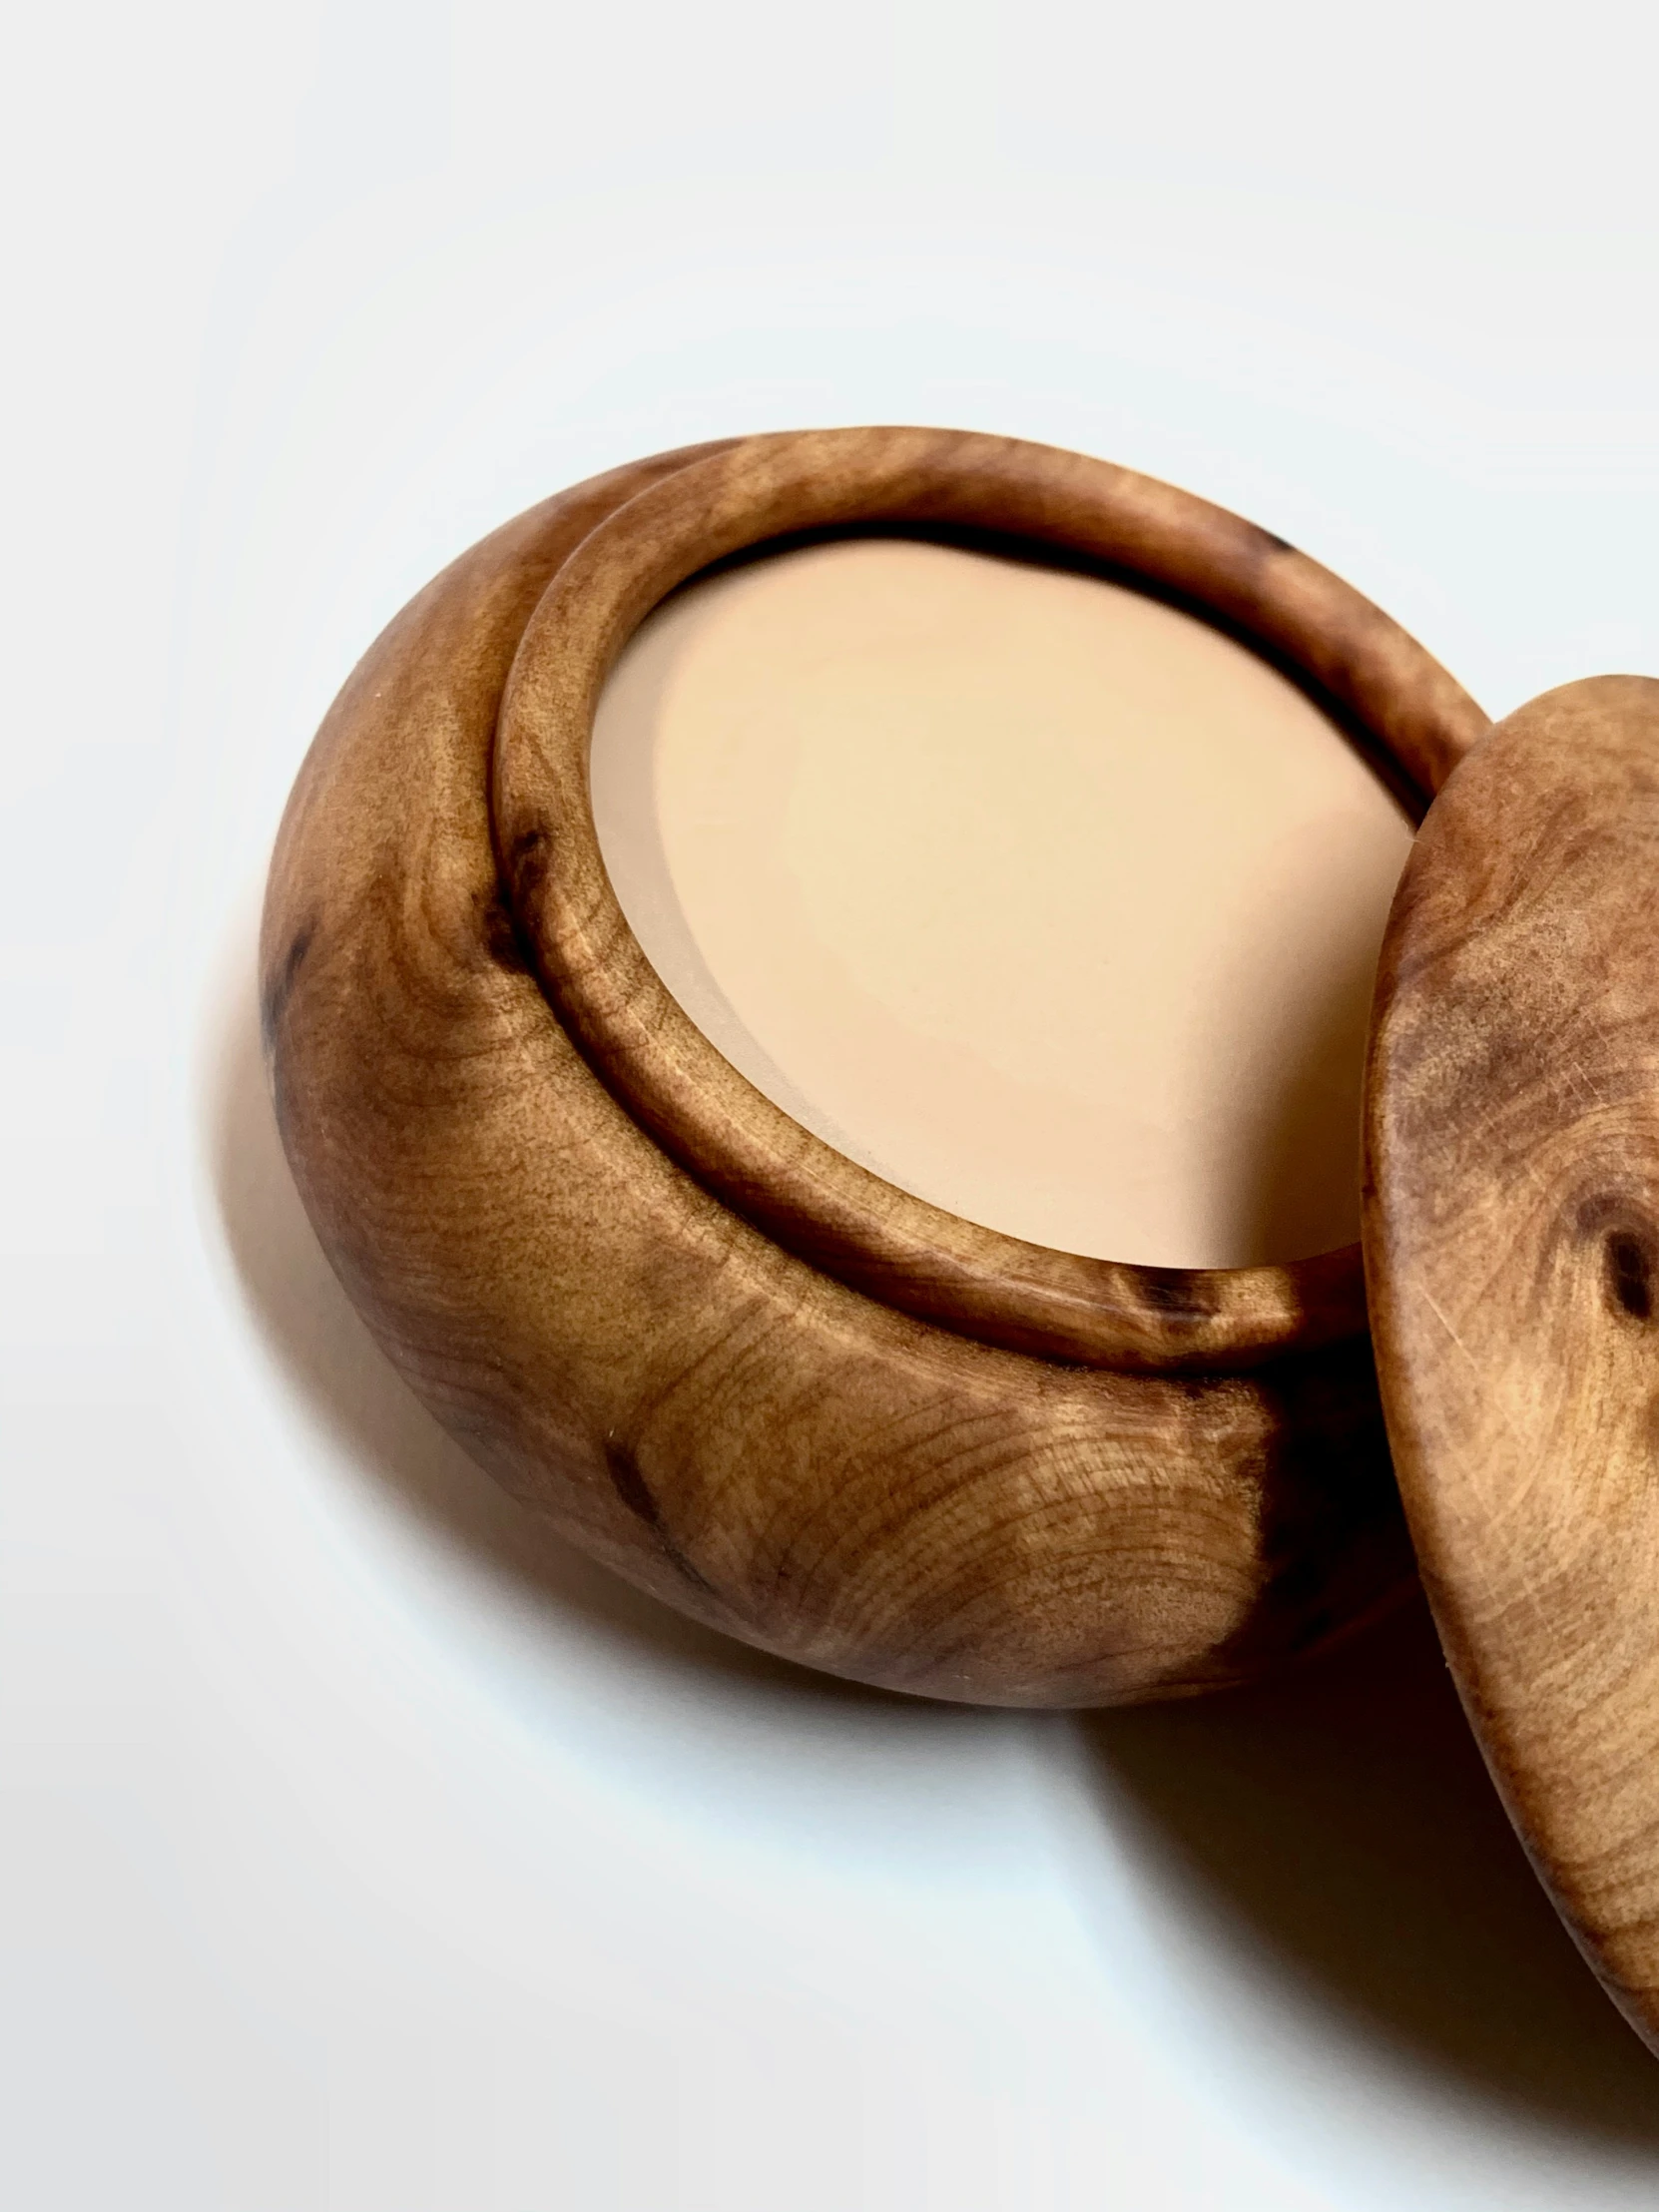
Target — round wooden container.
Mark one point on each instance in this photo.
(786, 1396)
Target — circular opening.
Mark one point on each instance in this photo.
(1047, 902)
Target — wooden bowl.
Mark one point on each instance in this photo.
(788, 1398)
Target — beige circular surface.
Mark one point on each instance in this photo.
(800, 774)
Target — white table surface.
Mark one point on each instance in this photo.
(361, 1848)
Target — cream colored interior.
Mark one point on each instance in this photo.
(1044, 900)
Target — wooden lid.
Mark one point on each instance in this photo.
(1511, 1242)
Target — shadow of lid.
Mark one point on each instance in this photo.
(1341, 1821)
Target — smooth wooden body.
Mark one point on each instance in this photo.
(791, 1400)
(1512, 1233)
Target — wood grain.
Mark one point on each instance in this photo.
(722, 1357)
(1511, 1236)
(801, 1191)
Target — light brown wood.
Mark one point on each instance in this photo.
(1512, 1233)
(755, 1379)
(802, 1192)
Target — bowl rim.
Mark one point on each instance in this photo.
(1409, 714)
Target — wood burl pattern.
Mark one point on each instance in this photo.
(1512, 1235)
(791, 1400)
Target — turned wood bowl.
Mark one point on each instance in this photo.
(783, 1394)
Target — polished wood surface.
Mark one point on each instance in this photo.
(1512, 1233)
(788, 1399)
(801, 1191)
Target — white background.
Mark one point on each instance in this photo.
(358, 1848)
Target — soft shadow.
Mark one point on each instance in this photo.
(1304, 1152)
(1342, 1816)
(1341, 1819)
(325, 1350)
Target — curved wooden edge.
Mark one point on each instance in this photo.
(1511, 1238)
(736, 1431)
(843, 1217)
